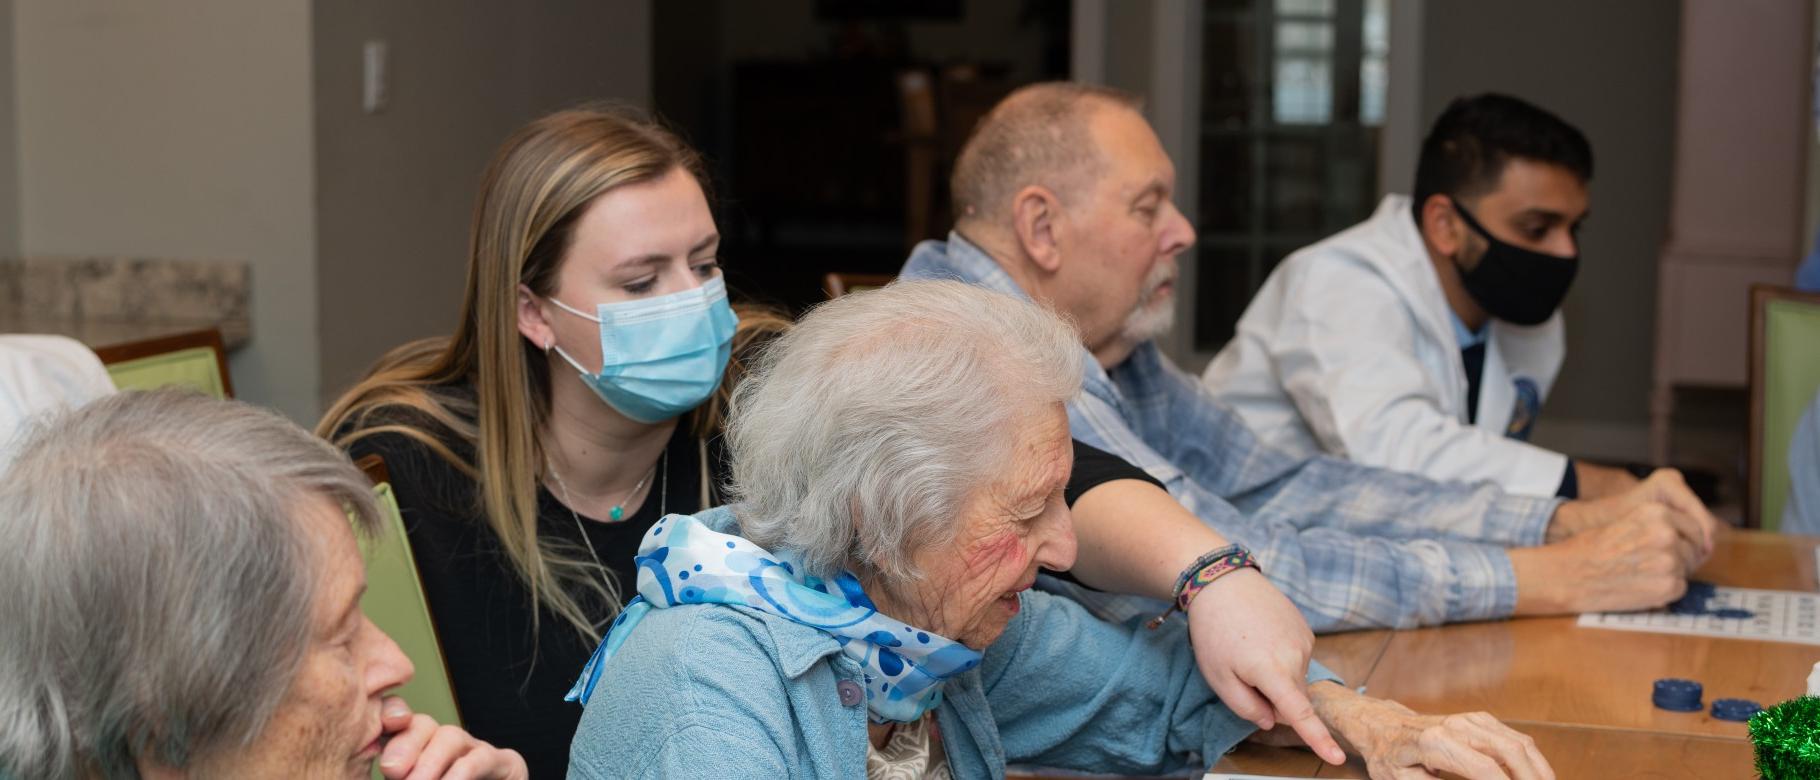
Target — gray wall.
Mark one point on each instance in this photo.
(177, 129)
(9, 138)
(395, 190)
(1609, 67)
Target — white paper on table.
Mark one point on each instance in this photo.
(1221, 776)
(1777, 616)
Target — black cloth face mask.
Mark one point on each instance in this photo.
(1517, 285)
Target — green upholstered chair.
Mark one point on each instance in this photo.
(394, 601)
(195, 360)
(1784, 376)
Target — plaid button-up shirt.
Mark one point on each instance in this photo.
(1353, 546)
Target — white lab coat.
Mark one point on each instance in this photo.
(1349, 348)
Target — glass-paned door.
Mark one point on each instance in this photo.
(1291, 112)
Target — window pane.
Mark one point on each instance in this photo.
(1281, 167)
(1304, 7)
(1304, 37)
(1374, 81)
(1376, 27)
(1303, 93)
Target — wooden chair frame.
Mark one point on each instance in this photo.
(837, 284)
(374, 467)
(207, 337)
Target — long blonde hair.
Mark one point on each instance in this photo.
(536, 188)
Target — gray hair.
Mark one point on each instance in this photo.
(861, 432)
(1036, 135)
(155, 585)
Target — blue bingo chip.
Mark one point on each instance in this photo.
(1735, 709)
(1688, 606)
(1677, 695)
(1698, 601)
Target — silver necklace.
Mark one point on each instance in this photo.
(663, 501)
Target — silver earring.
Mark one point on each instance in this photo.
(547, 343)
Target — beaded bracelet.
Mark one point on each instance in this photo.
(1202, 573)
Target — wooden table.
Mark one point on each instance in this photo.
(1583, 693)
(1574, 752)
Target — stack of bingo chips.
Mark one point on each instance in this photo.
(1677, 695)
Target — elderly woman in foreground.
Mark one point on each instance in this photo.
(865, 609)
(180, 591)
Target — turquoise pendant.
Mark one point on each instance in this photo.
(616, 513)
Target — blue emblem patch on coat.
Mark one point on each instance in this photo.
(1525, 408)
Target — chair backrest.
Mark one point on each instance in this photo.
(195, 360)
(394, 601)
(838, 284)
(1784, 376)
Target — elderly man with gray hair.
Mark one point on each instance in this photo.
(180, 590)
(1064, 196)
(865, 610)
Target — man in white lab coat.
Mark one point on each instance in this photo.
(1426, 338)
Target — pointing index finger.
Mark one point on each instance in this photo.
(1292, 706)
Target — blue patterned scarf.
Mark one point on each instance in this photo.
(682, 561)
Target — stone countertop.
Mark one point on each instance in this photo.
(109, 301)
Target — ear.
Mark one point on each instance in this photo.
(533, 323)
(1037, 216)
(1442, 226)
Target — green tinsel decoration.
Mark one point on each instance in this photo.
(1787, 738)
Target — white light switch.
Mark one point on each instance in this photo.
(374, 94)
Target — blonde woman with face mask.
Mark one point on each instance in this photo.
(574, 406)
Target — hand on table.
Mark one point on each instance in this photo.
(417, 748)
(1398, 743)
(1639, 562)
(1252, 646)
(1664, 487)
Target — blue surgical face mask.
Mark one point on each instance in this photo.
(660, 356)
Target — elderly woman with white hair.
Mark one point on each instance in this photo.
(180, 593)
(865, 609)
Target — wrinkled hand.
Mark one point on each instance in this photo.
(1474, 746)
(1664, 487)
(416, 748)
(1639, 562)
(1397, 743)
(1252, 646)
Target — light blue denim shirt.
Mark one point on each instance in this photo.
(1467, 336)
(724, 691)
(1353, 546)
